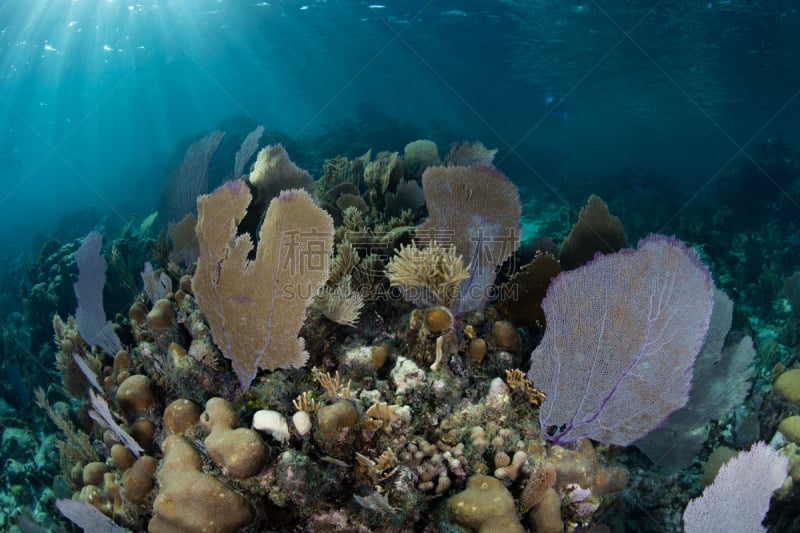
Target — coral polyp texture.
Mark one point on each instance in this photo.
(336, 364)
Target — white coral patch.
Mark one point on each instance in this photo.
(271, 422)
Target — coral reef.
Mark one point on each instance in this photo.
(371, 392)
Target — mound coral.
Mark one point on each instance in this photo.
(239, 451)
(189, 500)
(486, 506)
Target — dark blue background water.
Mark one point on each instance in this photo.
(95, 95)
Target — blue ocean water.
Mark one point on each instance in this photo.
(96, 95)
(667, 109)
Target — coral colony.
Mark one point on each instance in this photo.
(342, 355)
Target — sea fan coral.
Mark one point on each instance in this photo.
(241, 297)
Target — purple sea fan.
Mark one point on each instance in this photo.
(89, 315)
(622, 335)
(476, 209)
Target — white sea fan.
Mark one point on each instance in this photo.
(739, 498)
(101, 414)
(155, 288)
